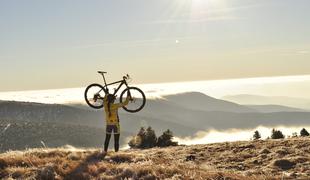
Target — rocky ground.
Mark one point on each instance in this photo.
(262, 159)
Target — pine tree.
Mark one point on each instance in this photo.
(276, 134)
(166, 139)
(147, 139)
(141, 132)
(304, 132)
(256, 135)
(150, 138)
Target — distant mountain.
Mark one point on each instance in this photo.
(43, 112)
(263, 100)
(19, 135)
(275, 108)
(200, 101)
(172, 112)
(161, 114)
(56, 113)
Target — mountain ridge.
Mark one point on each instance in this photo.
(160, 114)
(249, 99)
(200, 101)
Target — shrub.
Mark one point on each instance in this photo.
(166, 139)
(304, 132)
(256, 135)
(138, 140)
(147, 139)
(276, 134)
(294, 134)
(135, 142)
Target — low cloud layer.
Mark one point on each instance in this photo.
(289, 86)
(214, 136)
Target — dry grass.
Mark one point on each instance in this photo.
(271, 159)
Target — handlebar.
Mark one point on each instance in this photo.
(126, 77)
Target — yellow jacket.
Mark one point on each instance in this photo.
(113, 118)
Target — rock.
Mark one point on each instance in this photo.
(249, 146)
(263, 156)
(284, 164)
(47, 173)
(73, 156)
(3, 164)
(240, 167)
(264, 151)
(190, 158)
(282, 152)
(256, 162)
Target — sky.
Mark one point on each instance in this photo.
(54, 44)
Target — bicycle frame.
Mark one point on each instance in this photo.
(106, 89)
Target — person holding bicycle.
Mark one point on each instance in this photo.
(97, 96)
(112, 119)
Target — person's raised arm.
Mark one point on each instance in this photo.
(105, 100)
(125, 102)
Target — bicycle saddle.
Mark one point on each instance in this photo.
(101, 72)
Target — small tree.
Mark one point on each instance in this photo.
(141, 134)
(256, 135)
(276, 134)
(138, 140)
(166, 139)
(304, 132)
(150, 138)
(294, 134)
(147, 139)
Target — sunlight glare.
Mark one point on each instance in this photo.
(203, 8)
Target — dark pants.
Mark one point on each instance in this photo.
(116, 142)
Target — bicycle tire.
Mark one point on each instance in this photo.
(140, 94)
(100, 104)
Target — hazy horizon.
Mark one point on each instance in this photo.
(285, 86)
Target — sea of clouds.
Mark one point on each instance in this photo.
(289, 86)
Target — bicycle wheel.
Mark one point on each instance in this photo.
(137, 102)
(94, 95)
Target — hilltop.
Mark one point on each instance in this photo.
(262, 159)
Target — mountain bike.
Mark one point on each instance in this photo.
(95, 93)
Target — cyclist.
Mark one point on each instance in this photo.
(112, 120)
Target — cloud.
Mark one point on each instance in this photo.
(229, 9)
(122, 43)
(197, 20)
(208, 15)
(214, 136)
(266, 86)
(303, 52)
(276, 51)
(144, 42)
